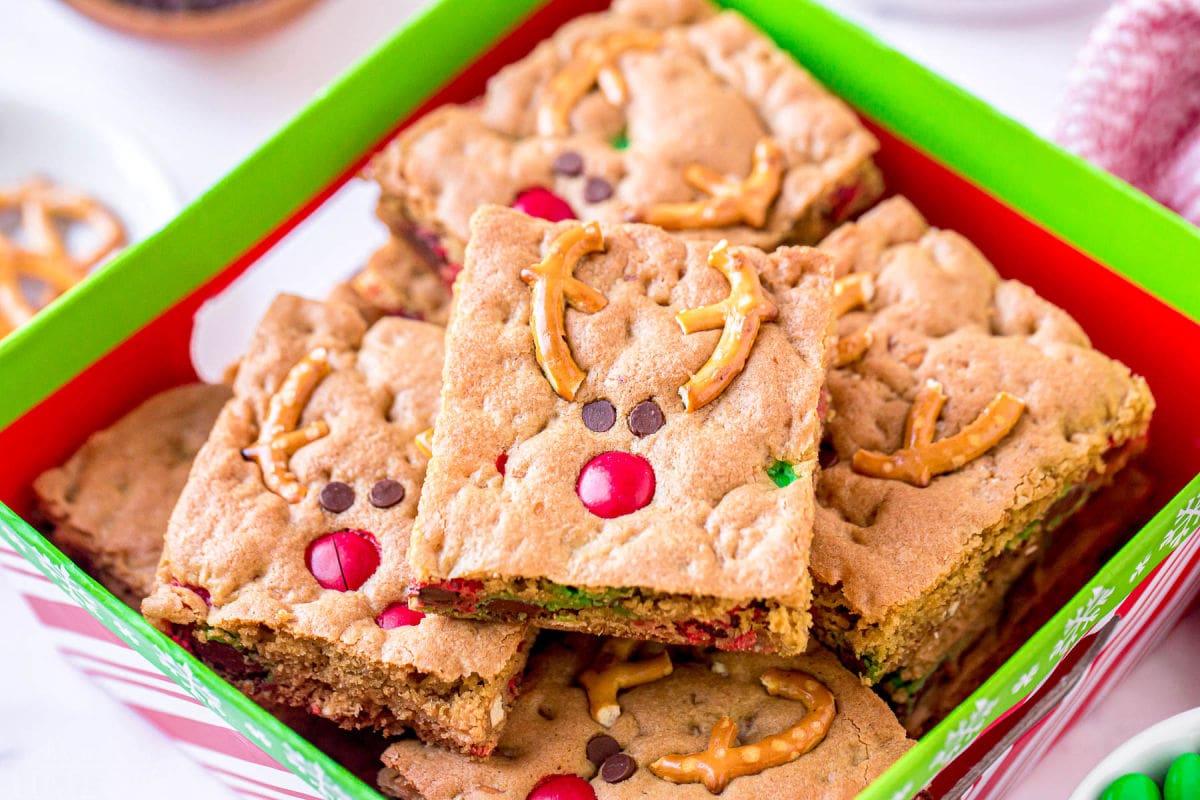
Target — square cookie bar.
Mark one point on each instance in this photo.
(668, 112)
(110, 503)
(284, 564)
(847, 736)
(629, 433)
(969, 418)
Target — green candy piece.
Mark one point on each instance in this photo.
(1183, 778)
(620, 141)
(782, 473)
(1134, 786)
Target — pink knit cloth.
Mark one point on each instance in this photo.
(1133, 100)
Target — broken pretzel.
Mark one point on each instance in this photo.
(614, 671)
(730, 201)
(279, 438)
(921, 458)
(554, 286)
(740, 315)
(723, 760)
(424, 442)
(594, 63)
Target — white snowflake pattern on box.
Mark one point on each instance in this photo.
(965, 732)
(1081, 621)
(1187, 520)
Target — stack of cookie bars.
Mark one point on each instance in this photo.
(714, 454)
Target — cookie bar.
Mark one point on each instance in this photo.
(552, 736)
(401, 279)
(284, 563)
(629, 433)
(109, 504)
(968, 420)
(661, 111)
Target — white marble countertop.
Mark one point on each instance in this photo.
(200, 109)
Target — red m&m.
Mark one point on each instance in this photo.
(343, 560)
(540, 202)
(615, 483)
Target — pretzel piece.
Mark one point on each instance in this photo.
(554, 286)
(614, 671)
(594, 63)
(919, 461)
(730, 201)
(279, 438)
(740, 315)
(723, 761)
(424, 442)
(44, 255)
(852, 291)
(852, 347)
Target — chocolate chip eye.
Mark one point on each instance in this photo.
(646, 418)
(599, 415)
(386, 493)
(568, 163)
(596, 190)
(336, 497)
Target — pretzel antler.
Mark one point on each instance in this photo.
(614, 671)
(723, 761)
(922, 458)
(44, 255)
(278, 438)
(730, 201)
(741, 314)
(553, 287)
(594, 62)
(850, 292)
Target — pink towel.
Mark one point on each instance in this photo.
(1133, 100)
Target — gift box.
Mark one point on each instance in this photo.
(1118, 262)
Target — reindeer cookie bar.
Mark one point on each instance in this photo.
(110, 503)
(629, 434)
(661, 111)
(284, 565)
(400, 279)
(827, 745)
(975, 420)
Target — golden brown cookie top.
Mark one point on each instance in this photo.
(692, 92)
(714, 524)
(251, 549)
(550, 727)
(941, 313)
(110, 503)
(399, 279)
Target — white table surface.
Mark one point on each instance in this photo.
(200, 109)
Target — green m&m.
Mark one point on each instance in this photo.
(1134, 786)
(1183, 778)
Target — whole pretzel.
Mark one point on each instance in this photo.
(554, 286)
(723, 760)
(614, 671)
(278, 438)
(43, 255)
(921, 458)
(740, 315)
(730, 201)
(594, 63)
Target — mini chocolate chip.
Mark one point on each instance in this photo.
(386, 493)
(436, 596)
(618, 767)
(599, 415)
(568, 162)
(827, 456)
(509, 609)
(336, 497)
(646, 418)
(597, 189)
(601, 747)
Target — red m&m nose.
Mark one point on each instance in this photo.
(343, 560)
(398, 615)
(562, 787)
(541, 202)
(615, 483)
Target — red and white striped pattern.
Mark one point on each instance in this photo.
(1147, 615)
(1132, 104)
(95, 651)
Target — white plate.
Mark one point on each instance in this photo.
(89, 157)
(1150, 752)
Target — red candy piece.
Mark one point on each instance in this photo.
(343, 560)
(562, 787)
(541, 202)
(502, 463)
(615, 483)
(398, 615)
